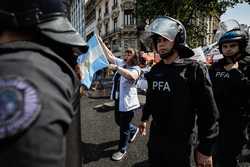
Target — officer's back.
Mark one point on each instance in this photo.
(39, 91)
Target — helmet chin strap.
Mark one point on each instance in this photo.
(167, 53)
(232, 59)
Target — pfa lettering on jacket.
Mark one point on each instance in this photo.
(161, 86)
(222, 74)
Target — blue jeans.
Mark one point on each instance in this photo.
(127, 129)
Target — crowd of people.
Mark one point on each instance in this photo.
(40, 92)
(182, 93)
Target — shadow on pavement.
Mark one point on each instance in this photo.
(105, 107)
(94, 152)
(98, 97)
(99, 94)
(142, 164)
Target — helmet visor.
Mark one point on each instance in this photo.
(226, 26)
(61, 30)
(159, 25)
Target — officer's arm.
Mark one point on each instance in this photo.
(248, 88)
(248, 106)
(147, 109)
(145, 113)
(247, 124)
(207, 111)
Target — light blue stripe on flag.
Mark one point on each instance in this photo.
(92, 61)
(81, 58)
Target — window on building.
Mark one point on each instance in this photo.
(100, 13)
(115, 46)
(126, 44)
(99, 32)
(129, 18)
(211, 24)
(132, 42)
(106, 8)
(106, 28)
(114, 3)
(115, 25)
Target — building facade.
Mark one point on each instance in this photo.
(116, 24)
(115, 21)
(204, 30)
(212, 23)
(90, 18)
(77, 15)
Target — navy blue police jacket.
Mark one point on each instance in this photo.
(39, 95)
(176, 94)
(230, 88)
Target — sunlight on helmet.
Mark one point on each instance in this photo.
(225, 26)
(166, 27)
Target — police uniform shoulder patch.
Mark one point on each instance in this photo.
(19, 105)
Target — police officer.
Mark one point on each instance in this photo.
(229, 77)
(39, 90)
(178, 90)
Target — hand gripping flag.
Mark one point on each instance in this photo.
(92, 61)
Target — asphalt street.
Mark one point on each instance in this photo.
(100, 136)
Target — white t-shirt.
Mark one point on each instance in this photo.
(128, 97)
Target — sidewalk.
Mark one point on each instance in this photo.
(100, 136)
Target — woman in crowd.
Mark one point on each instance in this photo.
(124, 92)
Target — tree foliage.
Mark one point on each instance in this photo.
(187, 11)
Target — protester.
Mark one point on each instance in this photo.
(145, 67)
(39, 89)
(178, 90)
(98, 76)
(142, 60)
(229, 78)
(124, 92)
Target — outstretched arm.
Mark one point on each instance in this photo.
(128, 74)
(147, 111)
(108, 53)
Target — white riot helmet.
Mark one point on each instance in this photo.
(230, 31)
(171, 29)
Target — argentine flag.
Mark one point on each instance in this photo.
(92, 61)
